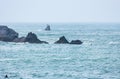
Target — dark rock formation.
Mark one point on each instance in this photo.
(62, 40)
(32, 38)
(6, 76)
(48, 28)
(7, 34)
(76, 42)
(21, 39)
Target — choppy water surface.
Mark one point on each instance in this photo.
(97, 58)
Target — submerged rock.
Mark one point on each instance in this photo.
(62, 40)
(7, 34)
(32, 38)
(48, 28)
(76, 42)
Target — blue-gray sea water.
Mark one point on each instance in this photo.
(97, 58)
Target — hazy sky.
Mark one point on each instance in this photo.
(59, 10)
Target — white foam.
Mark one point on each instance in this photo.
(8, 59)
(114, 42)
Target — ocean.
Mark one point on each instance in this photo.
(97, 58)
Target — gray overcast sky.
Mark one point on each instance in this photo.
(59, 10)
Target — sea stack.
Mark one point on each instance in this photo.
(32, 38)
(62, 40)
(47, 28)
(7, 34)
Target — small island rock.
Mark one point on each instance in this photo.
(48, 28)
(62, 40)
(21, 39)
(32, 38)
(7, 34)
(6, 76)
(76, 42)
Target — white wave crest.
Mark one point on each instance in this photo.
(114, 42)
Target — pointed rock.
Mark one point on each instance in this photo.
(48, 28)
(62, 40)
(32, 38)
(6, 76)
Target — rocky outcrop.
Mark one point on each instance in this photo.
(6, 76)
(21, 39)
(7, 34)
(62, 40)
(32, 38)
(48, 28)
(76, 42)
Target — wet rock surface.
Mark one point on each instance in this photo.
(7, 34)
(62, 40)
(76, 42)
(48, 28)
(32, 38)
